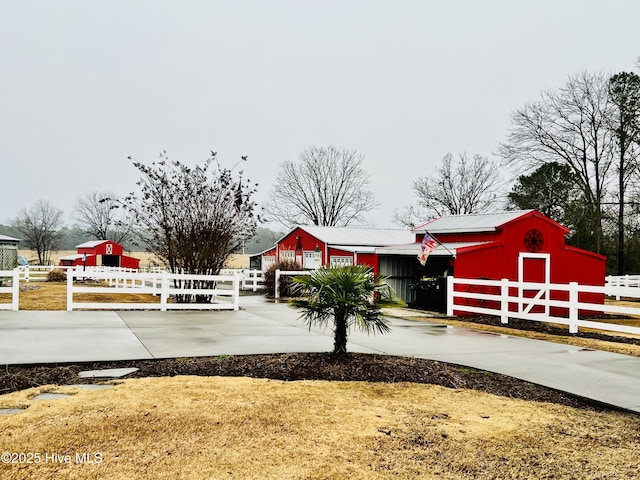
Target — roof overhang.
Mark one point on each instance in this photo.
(6, 238)
(355, 248)
(76, 256)
(414, 249)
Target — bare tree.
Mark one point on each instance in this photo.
(461, 186)
(99, 215)
(328, 186)
(40, 225)
(192, 218)
(624, 91)
(569, 126)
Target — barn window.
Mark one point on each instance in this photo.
(341, 261)
(287, 255)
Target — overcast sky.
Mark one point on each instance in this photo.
(84, 84)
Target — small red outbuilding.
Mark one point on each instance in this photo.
(105, 253)
(520, 245)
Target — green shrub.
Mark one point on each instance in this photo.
(57, 275)
(286, 281)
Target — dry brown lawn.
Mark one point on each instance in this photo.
(53, 296)
(202, 428)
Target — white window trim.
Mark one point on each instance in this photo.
(341, 261)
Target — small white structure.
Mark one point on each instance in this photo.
(8, 252)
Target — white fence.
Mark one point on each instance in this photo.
(539, 301)
(250, 279)
(224, 291)
(13, 290)
(38, 273)
(280, 273)
(626, 281)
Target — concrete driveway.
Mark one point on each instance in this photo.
(267, 327)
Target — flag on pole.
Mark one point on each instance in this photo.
(429, 244)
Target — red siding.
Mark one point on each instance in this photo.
(129, 262)
(369, 259)
(500, 259)
(307, 241)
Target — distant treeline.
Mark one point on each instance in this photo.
(73, 236)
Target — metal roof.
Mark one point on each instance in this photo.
(76, 256)
(483, 222)
(91, 243)
(360, 236)
(413, 249)
(5, 238)
(356, 248)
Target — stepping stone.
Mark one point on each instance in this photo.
(9, 411)
(108, 373)
(50, 396)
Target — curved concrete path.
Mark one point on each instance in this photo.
(266, 327)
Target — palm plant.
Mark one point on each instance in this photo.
(342, 296)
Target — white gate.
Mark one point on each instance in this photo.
(532, 264)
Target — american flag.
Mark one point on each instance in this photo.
(429, 244)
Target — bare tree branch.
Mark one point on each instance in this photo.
(99, 215)
(40, 226)
(327, 186)
(568, 126)
(457, 187)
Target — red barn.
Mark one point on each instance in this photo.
(314, 247)
(106, 253)
(517, 245)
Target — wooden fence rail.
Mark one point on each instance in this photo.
(13, 289)
(224, 290)
(497, 297)
(250, 279)
(280, 273)
(622, 281)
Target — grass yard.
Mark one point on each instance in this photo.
(53, 296)
(260, 429)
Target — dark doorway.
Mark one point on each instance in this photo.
(110, 260)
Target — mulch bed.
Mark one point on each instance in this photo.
(325, 366)
(302, 366)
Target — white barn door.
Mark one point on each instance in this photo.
(534, 268)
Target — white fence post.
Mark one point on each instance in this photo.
(450, 286)
(276, 294)
(70, 275)
(236, 291)
(573, 307)
(15, 295)
(504, 300)
(253, 276)
(164, 291)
